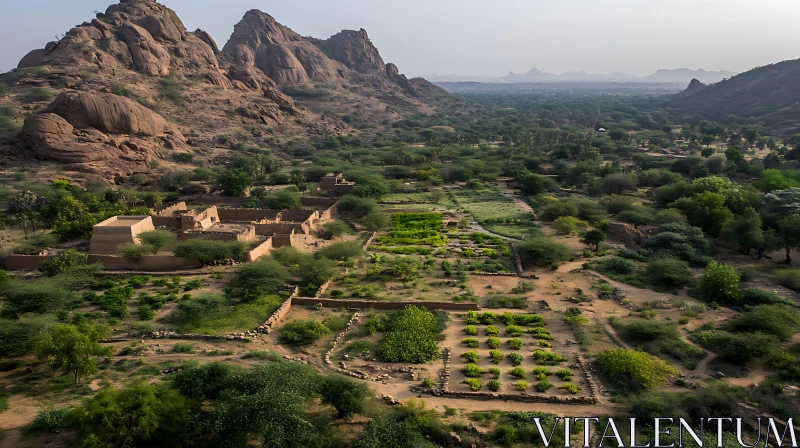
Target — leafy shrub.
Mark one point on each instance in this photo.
(620, 265)
(541, 373)
(494, 371)
(779, 321)
(757, 296)
(471, 330)
(515, 331)
(208, 251)
(333, 229)
(720, 284)
(472, 371)
(540, 333)
(515, 358)
(156, 239)
(411, 336)
(530, 319)
(543, 252)
(569, 387)
(564, 374)
(49, 419)
(35, 244)
(471, 342)
(491, 330)
(303, 332)
(669, 272)
(472, 316)
(493, 385)
(634, 370)
(547, 358)
(515, 343)
(473, 383)
(62, 262)
(543, 385)
(496, 356)
(788, 278)
(488, 318)
(521, 386)
(658, 338)
(680, 241)
(518, 372)
(470, 356)
(428, 383)
(145, 313)
(183, 347)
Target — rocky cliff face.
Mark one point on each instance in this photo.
(130, 82)
(353, 49)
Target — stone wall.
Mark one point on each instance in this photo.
(24, 262)
(166, 334)
(247, 233)
(173, 222)
(276, 317)
(261, 250)
(283, 240)
(517, 259)
(327, 203)
(171, 209)
(303, 216)
(282, 229)
(364, 304)
(369, 241)
(525, 398)
(147, 263)
(246, 214)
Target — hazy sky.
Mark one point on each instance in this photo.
(483, 37)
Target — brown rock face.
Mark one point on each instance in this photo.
(141, 35)
(354, 50)
(101, 133)
(280, 53)
(108, 113)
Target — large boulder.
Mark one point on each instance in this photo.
(109, 113)
(102, 133)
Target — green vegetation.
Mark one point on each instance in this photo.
(633, 370)
(543, 252)
(209, 251)
(411, 336)
(303, 332)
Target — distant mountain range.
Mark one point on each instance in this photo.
(679, 75)
(767, 95)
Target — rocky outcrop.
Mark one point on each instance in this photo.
(628, 234)
(258, 40)
(102, 133)
(140, 35)
(353, 49)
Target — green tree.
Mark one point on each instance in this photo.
(789, 234)
(745, 230)
(74, 349)
(639, 215)
(74, 220)
(258, 279)
(139, 415)
(156, 239)
(333, 229)
(375, 220)
(720, 284)
(65, 260)
(567, 225)
(346, 395)
(283, 200)
(594, 237)
(707, 211)
(234, 182)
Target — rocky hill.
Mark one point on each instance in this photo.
(133, 86)
(767, 94)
